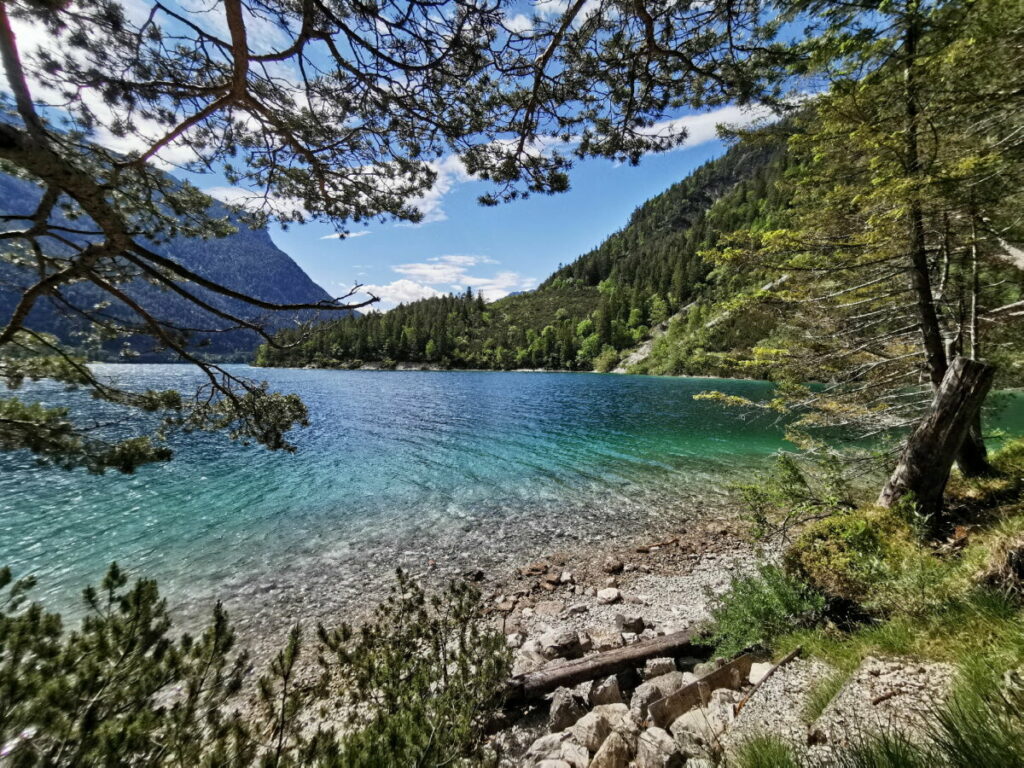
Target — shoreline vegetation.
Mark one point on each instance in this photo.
(883, 628)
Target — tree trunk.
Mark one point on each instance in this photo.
(973, 457)
(927, 458)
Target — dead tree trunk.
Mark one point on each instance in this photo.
(927, 458)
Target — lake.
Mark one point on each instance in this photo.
(397, 468)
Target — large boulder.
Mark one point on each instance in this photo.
(547, 747)
(607, 691)
(654, 689)
(614, 753)
(656, 749)
(566, 709)
(591, 730)
(560, 644)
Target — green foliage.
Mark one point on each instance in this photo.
(758, 609)
(792, 493)
(607, 360)
(608, 299)
(764, 752)
(821, 693)
(423, 677)
(417, 684)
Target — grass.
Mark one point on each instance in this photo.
(958, 600)
(822, 693)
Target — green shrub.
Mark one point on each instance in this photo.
(839, 556)
(756, 610)
(416, 684)
(764, 752)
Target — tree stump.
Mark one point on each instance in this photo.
(924, 466)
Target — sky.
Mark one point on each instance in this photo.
(459, 243)
(496, 250)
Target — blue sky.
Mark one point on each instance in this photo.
(511, 247)
(498, 250)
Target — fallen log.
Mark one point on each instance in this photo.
(534, 685)
(664, 711)
(788, 658)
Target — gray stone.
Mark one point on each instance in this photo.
(630, 622)
(547, 747)
(566, 709)
(548, 608)
(515, 639)
(758, 670)
(614, 753)
(658, 667)
(591, 730)
(575, 755)
(560, 644)
(553, 764)
(608, 596)
(577, 608)
(613, 565)
(652, 690)
(656, 749)
(606, 691)
(605, 639)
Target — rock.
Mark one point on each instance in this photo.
(696, 730)
(505, 606)
(758, 671)
(608, 596)
(699, 762)
(474, 574)
(560, 644)
(515, 640)
(656, 749)
(611, 581)
(548, 608)
(547, 747)
(612, 565)
(614, 753)
(567, 578)
(566, 709)
(629, 637)
(652, 690)
(553, 764)
(705, 667)
(591, 730)
(607, 691)
(658, 667)
(553, 577)
(605, 639)
(586, 643)
(630, 622)
(575, 755)
(576, 609)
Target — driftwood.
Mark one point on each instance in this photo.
(534, 685)
(788, 658)
(927, 458)
(664, 711)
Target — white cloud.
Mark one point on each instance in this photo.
(349, 236)
(463, 261)
(399, 292)
(450, 273)
(450, 171)
(703, 127)
(519, 23)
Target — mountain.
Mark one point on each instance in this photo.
(646, 284)
(247, 261)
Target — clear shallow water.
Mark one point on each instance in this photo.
(397, 468)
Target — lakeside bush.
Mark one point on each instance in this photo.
(415, 686)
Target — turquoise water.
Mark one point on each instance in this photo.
(397, 468)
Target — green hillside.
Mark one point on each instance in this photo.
(590, 312)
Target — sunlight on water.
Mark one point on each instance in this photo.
(462, 464)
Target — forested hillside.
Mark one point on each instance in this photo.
(246, 261)
(586, 314)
